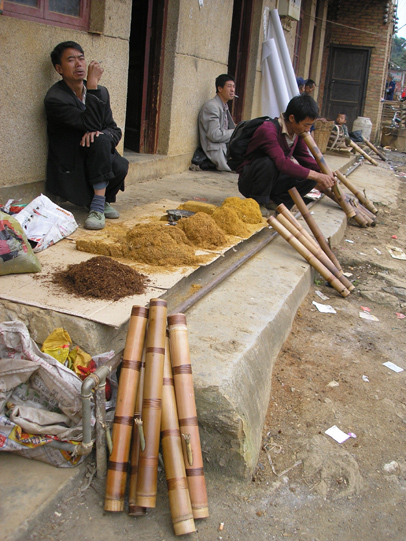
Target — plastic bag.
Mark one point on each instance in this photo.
(16, 255)
(45, 223)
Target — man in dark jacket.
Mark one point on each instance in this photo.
(83, 166)
(277, 159)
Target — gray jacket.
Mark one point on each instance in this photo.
(213, 136)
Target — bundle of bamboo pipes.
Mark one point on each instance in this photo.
(153, 407)
(318, 254)
(362, 212)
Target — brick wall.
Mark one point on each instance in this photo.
(360, 24)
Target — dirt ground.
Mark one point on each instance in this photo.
(330, 372)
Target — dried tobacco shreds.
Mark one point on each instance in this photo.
(247, 209)
(101, 277)
(158, 244)
(202, 230)
(228, 220)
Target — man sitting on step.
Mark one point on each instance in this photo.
(83, 166)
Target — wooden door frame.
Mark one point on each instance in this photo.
(152, 78)
(242, 47)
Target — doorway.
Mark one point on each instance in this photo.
(238, 53)
(346, 81)
(147, 37)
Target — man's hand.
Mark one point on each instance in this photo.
(323, 181)
(88, 138)
(94, 73)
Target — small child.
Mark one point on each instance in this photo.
(341, 121)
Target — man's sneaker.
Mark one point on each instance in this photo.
(109, 212)
(95, 220)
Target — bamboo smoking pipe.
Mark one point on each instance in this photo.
(318, 156)
(372, 147)
(351, 143)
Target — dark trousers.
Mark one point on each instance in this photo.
(263, 182)
(103, 163)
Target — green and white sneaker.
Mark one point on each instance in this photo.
(109, 212)
(95, 220)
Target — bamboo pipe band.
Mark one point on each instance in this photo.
(318, 156)
(351, 143)
(147, 474)
(314, 228)
(310, 258)
(185, 401)
(124, 414)
(178, 490)
(317, 252)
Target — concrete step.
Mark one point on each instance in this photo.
(149, 166)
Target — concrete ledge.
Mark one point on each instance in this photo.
(149, 166)
(235, 334)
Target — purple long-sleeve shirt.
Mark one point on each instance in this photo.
(269, 139)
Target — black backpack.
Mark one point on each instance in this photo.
(240, 138)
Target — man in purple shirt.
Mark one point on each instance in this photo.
(278, 159)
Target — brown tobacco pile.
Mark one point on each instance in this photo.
(101, 277)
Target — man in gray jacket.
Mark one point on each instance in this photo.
(216, 124)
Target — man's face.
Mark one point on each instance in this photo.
(341, 119)
(310, 89)
(227, 92)
(302, 126)
(72, 66)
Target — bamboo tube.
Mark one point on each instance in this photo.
(147, 475)
(361, 210)
(178, 491)
(310, 258)
(372, 147)
(124, 414)
(359, 195)
(289, 216)
(317, 252)
(318, 156)
(351, 143)
(185, 401)
(314, 228)
(367, 213)
(133, 509)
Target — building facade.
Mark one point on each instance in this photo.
(161, 58)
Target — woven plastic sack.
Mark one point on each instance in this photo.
(16, 254)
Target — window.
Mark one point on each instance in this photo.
(69, 13)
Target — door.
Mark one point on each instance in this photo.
(144, 75)
(346, 81)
